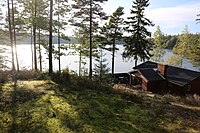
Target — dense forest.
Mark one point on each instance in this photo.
(93, 29)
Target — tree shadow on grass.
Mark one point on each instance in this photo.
(47, 108)
(104, 112)
(19, 106)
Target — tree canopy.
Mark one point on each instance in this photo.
(137, 44)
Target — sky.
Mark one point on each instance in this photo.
(170, 15)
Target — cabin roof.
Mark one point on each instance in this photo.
(150, 74)
(176, 75)
(121, 75)
(180, 75)
(147, 64)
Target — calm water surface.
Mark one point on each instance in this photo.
(71, 61)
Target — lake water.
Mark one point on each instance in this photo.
(71, 61)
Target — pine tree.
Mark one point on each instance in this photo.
(82, 36)
(137, 44)
(194, 49)
(112, 32)
(87, 13)
(183, 45)
(4, 36)
(34, 17)
(61, 9)
(158, 48)
(174, 60)
(101, 68)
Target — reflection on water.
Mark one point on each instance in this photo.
(71, 61)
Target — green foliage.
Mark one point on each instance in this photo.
(188, 46)
(112, 32)
(170, 41)
(194, 50)
(158, 38)
(183, 43)
(62, 77)
(81, 19)
(174, 60)
(158, 48)
(28, 75)
(5, 76)
(88, 14)
(3, 59)
(101, 69)
(4, 37)
(158, 54)
(137, 44)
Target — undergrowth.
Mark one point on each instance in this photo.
(45, 106)
(68, 103)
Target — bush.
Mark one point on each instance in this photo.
(28, 74)
(63, 77)
(168, 98)
(5, 76)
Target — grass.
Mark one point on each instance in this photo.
(44, 106)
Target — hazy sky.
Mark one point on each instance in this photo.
(170, 15)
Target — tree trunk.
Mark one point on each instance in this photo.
(90, 68)
(113, 55)
(14, 35)
(32, 48)
(34, 35)
(40, 55)
(101, 66)
(11, 35)
(50, 38)
(80, 58)
(136, 61)
(59, 63)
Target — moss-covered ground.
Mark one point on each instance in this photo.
(44, 106)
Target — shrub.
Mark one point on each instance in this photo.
(193, 100)
(28, 74)
(168, 98)
(63, 77)
(5, 76)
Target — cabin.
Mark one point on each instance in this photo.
(148, 79)
(160, 78)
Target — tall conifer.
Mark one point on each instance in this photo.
(137, 44)
(87, 13)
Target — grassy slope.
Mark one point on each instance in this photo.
(43, 106)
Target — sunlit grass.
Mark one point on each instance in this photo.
(44, 106)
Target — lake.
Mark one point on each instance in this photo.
(71, 61)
